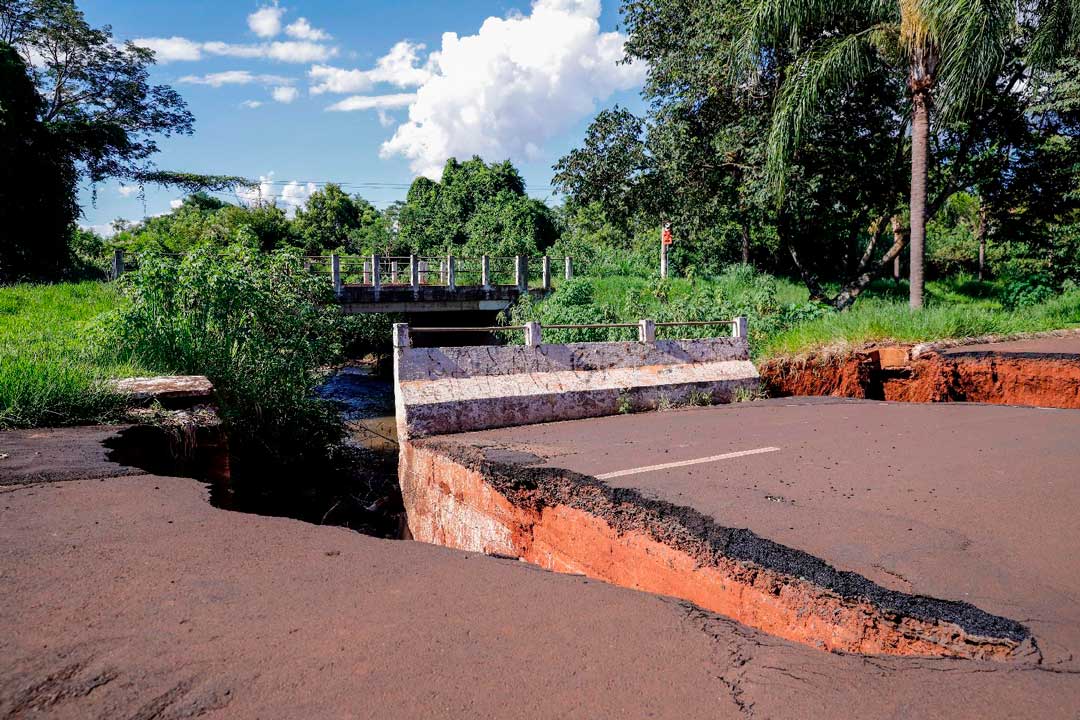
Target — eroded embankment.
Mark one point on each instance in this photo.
(573, 523)
(890, 373)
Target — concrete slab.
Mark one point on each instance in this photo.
(968, 503)
(1063, 346)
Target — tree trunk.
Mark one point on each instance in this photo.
(980, 232)
(851, 291)
(920, 135)
(745, 240)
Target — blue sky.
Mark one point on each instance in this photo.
(370, 92)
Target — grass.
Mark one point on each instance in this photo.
(50, 370)
(877, 319)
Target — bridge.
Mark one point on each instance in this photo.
(422, 284)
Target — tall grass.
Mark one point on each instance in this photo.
(50, 370)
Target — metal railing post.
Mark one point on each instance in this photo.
(414, 274)
(568, 269)
(335, 272)
(647, 331)
(521, 272)
(739, 327)
(533, 334)
(451, 276)
(485, 272)
(545, 272)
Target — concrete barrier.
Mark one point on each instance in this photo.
(459, 389)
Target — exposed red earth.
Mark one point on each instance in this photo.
(1041, 371)
(964, 552)
(131, 596)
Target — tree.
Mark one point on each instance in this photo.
(477, 204)
(948, 52)
(327, 220)
(96, 94)
(37, 191)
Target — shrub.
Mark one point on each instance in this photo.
(256, 324)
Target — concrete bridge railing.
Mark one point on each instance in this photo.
(445, 390)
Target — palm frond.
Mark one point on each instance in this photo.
(833, 65)
(768, 24)
(1057, 32)
(973, 37)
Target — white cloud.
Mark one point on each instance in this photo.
(171, 49)
(251, 104)
(373, 102)
(266, 21)
(294, 51)
(517, 82)
(302, 30)
(176, 203)
(105, 230)
(400, 67)
(127, 190)
(285, 94)
(234, 77)
(288, 196)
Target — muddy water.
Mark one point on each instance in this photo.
(365, 395)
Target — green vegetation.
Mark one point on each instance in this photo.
(50, 371)
(256, 324)
(784, 321)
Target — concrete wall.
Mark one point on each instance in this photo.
(449, 390)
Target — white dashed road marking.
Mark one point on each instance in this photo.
(684, 463)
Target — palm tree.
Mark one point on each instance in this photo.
(948, 49)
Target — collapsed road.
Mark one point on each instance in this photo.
(927, 549)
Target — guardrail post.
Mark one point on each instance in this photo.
(401, 335)
(424, 279)
(568, 268)
(117, 264)
(545, 272)
(335, 272)
(393, 272)
(451, 275)
(414, 275)
(521, 273)
(376, 275)
(442, 272)
(739, 327)
(367, 273)
(647, 331)
(533, 334)
(485, 272)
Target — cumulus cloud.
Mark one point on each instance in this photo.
(171, 49)
(302, 30)
(285, 94)
(234, 77)
(127, 190)
(401, 67)
(373, 102)
(176, 203)
(266, 21)
(251, 104)
(517, 82)
(287, 196)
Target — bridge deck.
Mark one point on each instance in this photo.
(359, 299)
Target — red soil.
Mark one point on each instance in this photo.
(453, 505)
(1003, 378)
